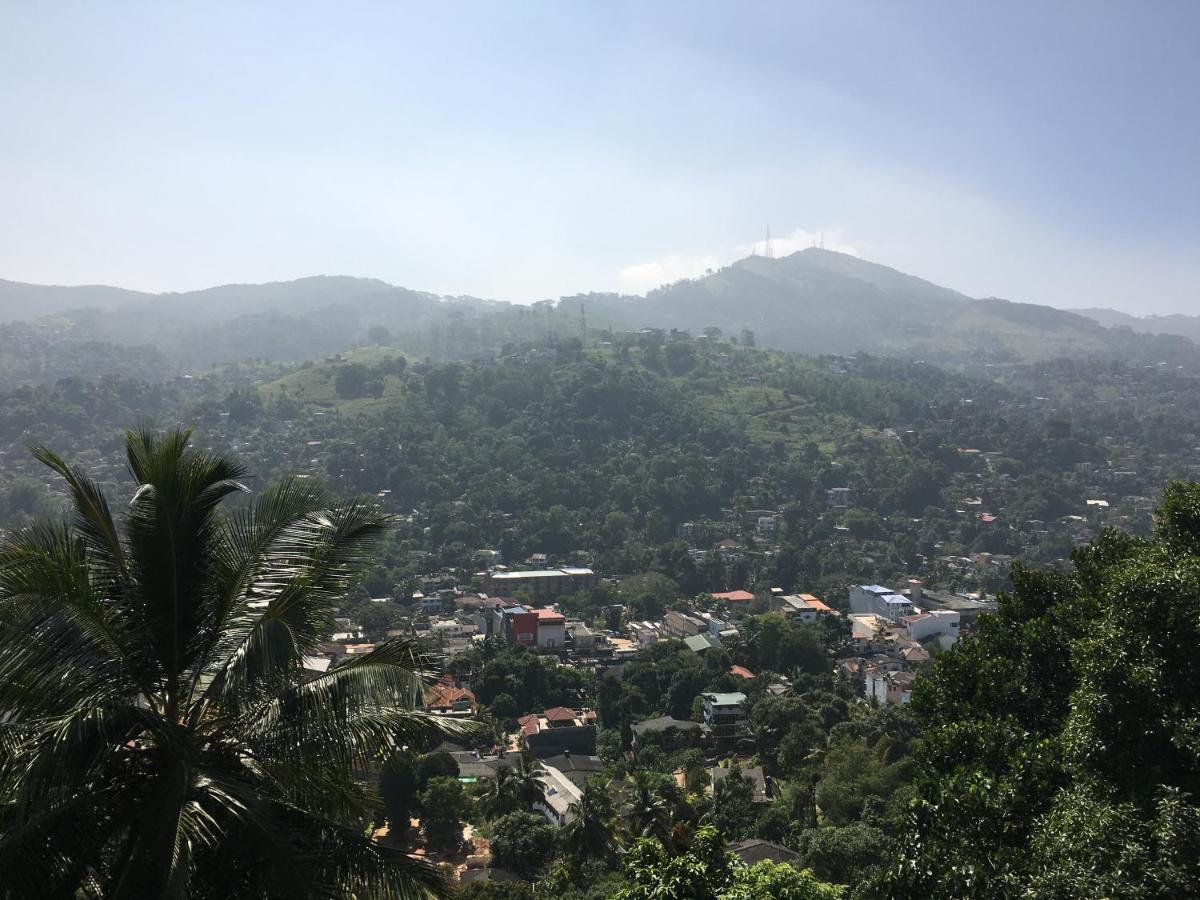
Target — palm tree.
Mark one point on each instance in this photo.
(500, 798)
(157, 736)
(528, 786)
(649, 812)
(591, 833)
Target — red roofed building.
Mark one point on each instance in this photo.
(551, 629)
(740, 672)
(734, 596)
(445, 699)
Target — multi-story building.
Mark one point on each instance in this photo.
(725, 713)
(543, 584)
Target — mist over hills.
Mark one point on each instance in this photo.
(1177, 324)
(813, 301)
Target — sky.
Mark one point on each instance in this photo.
(1041, 152)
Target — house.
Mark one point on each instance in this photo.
(725, 713)
(445, 699)
(884, 684)
(662, 724)
(561, 794)
(942, 624)
(701, 643)
(586, 642)
(741, 672)
(753, 774)
(578, 768)
(755, 850)
(899, 689)
(558, 730)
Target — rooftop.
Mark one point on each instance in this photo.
(734, 596)
(735, 698)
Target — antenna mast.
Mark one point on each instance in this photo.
(582, 324)
(768, 250)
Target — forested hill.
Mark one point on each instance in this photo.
(814, 301)
(818, 301)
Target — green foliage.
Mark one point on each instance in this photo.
(399, 790)
(523, 843)
(707, 871)
(157, 737)
(444, 807)
(1059, 750)
(854, 773)
(733, 808)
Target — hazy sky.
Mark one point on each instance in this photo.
(1038, 151)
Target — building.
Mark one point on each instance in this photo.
(885, 684)
(800, 607)
(725, 713)
(942, 624)
(559, 730)
(734, 597)
(586, 642)
(882, 601)
(681, 625)
(517, 625)
(644, 633)
(551, 629)
(663, 724)
(543, 584)
(447, 629)
(968, 609)
(753, 774)
(839, 497)
(701, 643)
(561, 794)
(445, 699)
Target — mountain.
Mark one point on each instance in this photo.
(29, 301)
(1183, 326)
(814, 301)
(819, 301)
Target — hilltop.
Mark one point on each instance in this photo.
(820, 301)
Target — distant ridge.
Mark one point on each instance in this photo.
(1177, 324)
(813, 301)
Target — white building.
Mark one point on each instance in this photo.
(940, 623)
(561, 793)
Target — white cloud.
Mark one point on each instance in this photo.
(646, 276)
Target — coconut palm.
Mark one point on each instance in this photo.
(649, 812)
(528, 786)
(158, 736)
(591, 833)
(500, 798)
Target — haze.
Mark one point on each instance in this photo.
(1038, 153)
